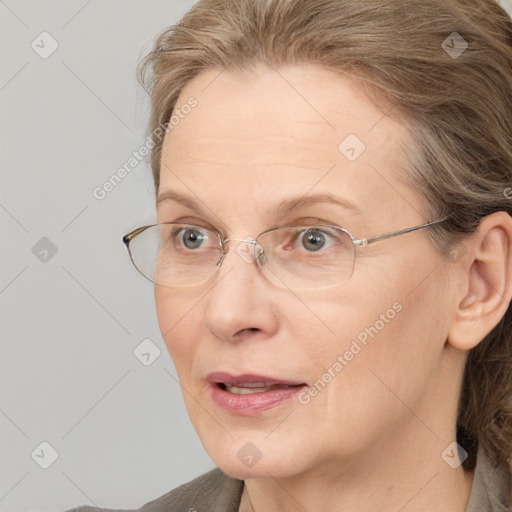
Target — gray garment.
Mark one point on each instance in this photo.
(211, 492)
(217, 492)
(492, 487)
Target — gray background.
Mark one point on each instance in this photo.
(70, 324)
(71, 320)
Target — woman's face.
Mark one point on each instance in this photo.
(369, 352)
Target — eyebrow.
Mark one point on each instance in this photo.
(293, 203)
(280, 210)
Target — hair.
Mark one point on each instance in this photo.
(457, 109)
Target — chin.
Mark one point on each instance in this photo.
(250, 455)
(262, 469)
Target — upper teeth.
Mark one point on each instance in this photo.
(252, 387)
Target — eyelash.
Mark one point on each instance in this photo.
(177, 232)
(197, 222)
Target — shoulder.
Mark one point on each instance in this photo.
(214, 491)
(492, 486)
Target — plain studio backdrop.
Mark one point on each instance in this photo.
(91, 412)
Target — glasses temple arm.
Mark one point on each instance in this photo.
(385, 236)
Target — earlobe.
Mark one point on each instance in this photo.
(488, 282)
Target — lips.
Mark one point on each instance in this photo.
(250, 394)
(249, 380)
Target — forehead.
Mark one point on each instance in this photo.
(305, 103)
(281, 130)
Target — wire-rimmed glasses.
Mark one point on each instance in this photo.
(297, 256)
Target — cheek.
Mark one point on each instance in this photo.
(401, 361)
(384, 348)
(179, 319)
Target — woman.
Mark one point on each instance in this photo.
(324, 366)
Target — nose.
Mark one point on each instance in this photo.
(241, 302)
(248, 249)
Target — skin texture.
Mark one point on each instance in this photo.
(372, 439)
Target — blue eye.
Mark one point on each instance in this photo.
(315, 239)
(190, 237)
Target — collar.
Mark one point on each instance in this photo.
(491, 486)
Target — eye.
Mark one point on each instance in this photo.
(315, 239)
(192, 237)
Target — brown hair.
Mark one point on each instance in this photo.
(457, 105)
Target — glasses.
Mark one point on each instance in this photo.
(296, 257)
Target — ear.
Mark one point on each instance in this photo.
(487, 290)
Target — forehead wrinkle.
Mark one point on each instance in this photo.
(201, 143)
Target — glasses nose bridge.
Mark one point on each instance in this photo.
(247, 240)
(224, 249)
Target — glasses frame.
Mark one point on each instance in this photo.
(361, 242)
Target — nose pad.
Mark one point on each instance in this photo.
(259, 255)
